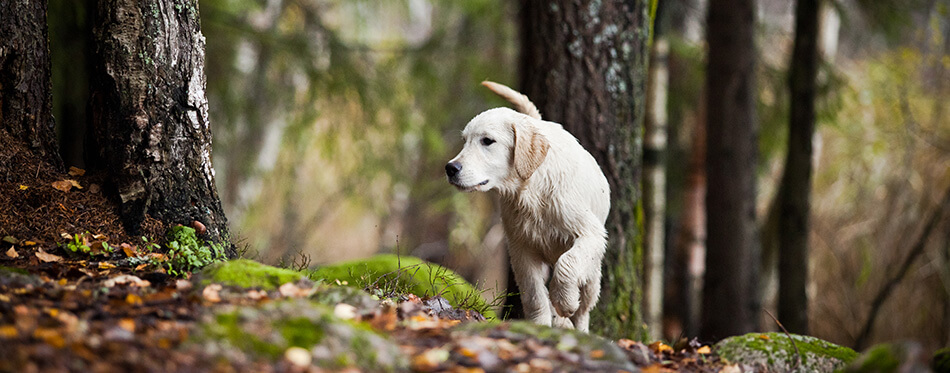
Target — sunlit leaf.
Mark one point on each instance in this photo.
(48, 258)
(12, 253)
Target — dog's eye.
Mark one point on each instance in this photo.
(487, 141)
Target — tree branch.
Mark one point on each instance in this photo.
(915, 251)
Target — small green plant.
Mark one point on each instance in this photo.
(187, 253)
(87, 243)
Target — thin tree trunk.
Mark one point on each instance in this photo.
(150, 113)
(25, 86)
(795, 190)
(654, 186)
(585, 67)
(730, 302)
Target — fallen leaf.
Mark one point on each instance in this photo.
(66, 235)
(763, 336)
(659, 347)
(133, 299)
(51, 336)
(12, 253)
(48, 257)
(141, 266)
(74, 183)
(106, 265)
(74, 171)
(430, 359)
(8, 331)
(10, 239)
(29, 243)
(299, 357)
(344, 311)
(23, 187)
(211, 293)
(100, 236)
(62, 185)
(126, 280)
(129, 250)
(127, 324)
(705, 350)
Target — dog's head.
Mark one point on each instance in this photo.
(502, 150)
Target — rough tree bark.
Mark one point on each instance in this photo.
(795, 189)
(730, 302)
(150, 113)
(584, 65)
(25, 88)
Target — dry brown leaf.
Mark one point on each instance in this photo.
(74, 171)
(12, 253)
(62, 185)
(48, 258)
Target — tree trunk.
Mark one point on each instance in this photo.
(796, 181)
(150, 113)
(654, 185)
(25, 88)
(729, 297)
(584, 66)
(689, 246)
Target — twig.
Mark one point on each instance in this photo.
(798, 354)
(915, 251)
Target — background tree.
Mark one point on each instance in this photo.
(150, 114)
(25, 86)
(729, 297)
(585, 67)
(795, 188)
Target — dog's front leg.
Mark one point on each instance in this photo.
(572, 270)
(530, 274)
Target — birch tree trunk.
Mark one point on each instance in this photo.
(584, 65)
(25, 86)
(150, 113)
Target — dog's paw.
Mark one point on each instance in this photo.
(563, 322)
(566, 299)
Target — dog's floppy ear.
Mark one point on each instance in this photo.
(530, 149)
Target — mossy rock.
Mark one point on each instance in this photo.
(577, 351)
(406, 274)
(247, 273)
(774, 352)
(266, 332)
(890, 357)
(11, 276)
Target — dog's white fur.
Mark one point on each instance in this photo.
(554, 204)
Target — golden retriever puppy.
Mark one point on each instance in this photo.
(554, 203)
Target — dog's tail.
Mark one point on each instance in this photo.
(521, 102)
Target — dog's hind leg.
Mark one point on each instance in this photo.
(531, 274)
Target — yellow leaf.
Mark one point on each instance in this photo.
(8, 331)
(127, 324)
(74, 183)
(763, 336)
(62, 282)
(29, 243)
(23, 187)
(105, 265)
(705, 350)
(133, 299)
(74, 171)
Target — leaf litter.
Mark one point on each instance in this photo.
(62, 311)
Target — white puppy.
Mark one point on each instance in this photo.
(554, 203)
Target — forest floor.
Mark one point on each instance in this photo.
(99, 311)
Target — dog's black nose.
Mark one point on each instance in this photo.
(453, 168)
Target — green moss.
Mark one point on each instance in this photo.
(775, 352)
(904, 356)
(405, 274)
(247, 273)
(941, 360)
(12, 270)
